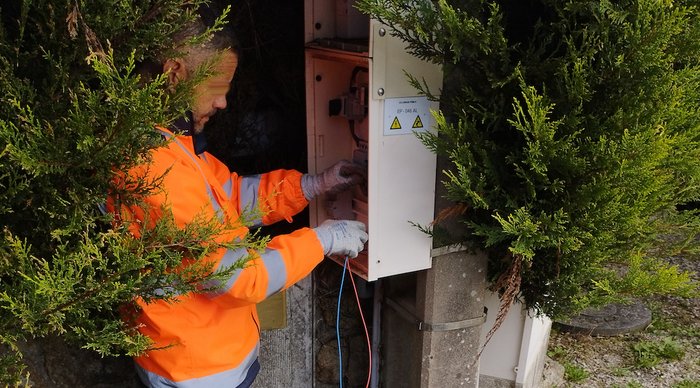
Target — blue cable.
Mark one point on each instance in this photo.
(337, 322)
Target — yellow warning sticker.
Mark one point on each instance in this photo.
(402, 112)
(417, 123)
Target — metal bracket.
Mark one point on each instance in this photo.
(426, 326)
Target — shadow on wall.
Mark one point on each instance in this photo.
(264, 126)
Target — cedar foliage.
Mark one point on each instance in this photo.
(73, 114)
(572, 129)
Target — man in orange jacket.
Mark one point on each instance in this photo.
(215, 335)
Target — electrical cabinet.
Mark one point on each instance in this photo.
(361, 107)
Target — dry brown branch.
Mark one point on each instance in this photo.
(93, 42)
(72, 21)
(509, 282)
(449, 212)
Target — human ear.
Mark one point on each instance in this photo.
(175, 70)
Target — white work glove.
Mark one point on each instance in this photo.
(342, 237)
(339, 177)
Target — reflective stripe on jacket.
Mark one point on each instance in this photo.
(215, 335)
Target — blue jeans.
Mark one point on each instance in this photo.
(250, 377)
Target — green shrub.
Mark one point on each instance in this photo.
(73, 113)
(572, 130)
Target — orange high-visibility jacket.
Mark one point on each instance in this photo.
(216, 335)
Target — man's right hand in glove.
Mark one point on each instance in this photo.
(342, 237)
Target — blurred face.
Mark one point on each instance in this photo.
(210, 94)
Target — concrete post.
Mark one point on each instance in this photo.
(451, 292)
(424, 339)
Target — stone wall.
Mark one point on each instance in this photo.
(54, 364)
(352, 335)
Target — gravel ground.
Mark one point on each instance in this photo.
(669, 349)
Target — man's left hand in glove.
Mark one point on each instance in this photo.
(339, 177)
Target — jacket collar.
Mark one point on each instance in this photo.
(185, 126)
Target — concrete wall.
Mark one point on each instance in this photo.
(286, 355)
(515, 355)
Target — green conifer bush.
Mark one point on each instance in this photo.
(572, 129)
(73, 114)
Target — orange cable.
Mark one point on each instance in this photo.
(369, 346)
